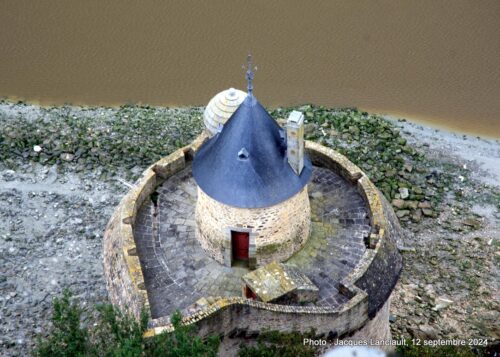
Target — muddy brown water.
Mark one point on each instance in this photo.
(427, 60)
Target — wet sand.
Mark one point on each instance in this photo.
(436, 62)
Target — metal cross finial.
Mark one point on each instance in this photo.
(250, 74)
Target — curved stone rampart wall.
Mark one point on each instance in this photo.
(364, 313)
(276, 232)
(380, 267)
(122, 268)
(377, 328)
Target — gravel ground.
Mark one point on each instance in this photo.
(449, 287)
(53, 211)
(54, 205)
(51, 228)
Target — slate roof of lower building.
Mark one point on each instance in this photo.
(275, 280)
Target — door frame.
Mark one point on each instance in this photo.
(227, 248)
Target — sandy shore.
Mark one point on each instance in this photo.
(481, 155)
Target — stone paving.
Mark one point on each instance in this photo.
(177, 272)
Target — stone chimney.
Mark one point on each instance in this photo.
(295, 141)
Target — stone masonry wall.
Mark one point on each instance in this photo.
(377, 328)
(228, 314)
(122, 268)
(126, 288)
(245, 318)
(280, 230)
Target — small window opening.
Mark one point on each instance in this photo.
(282, 135)
(243, 154)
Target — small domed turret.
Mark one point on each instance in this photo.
(221, 107)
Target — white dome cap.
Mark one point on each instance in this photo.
(221, 107)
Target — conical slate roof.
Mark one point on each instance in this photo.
(245, 165)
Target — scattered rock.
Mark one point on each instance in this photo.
(52, 174)
(403, 192)
(407, 249)
(402, 213)
(408, 167)
(429, 291)
(43, 233)
(416, 216)
(417, 190)
(442, 303)
(428, 212)
(67, 157)
(398, 203)
(428, 332)
(8, 175)
(411, 204)
(472, 222)
(309, 128)
(424, 204)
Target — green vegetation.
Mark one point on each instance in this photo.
(116, 335)
(182, 342)
(91, 138)
(132, 137)
(274, 343)
(67, 337)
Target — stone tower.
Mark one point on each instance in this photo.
(252, 206)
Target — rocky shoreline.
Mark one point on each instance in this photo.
(449, 287)
(63, 169)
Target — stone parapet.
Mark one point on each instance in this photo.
(225, 314)
(325, 157)
(381, 265)
(368, 286)
(122, 269)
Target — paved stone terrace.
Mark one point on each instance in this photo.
(177, 272)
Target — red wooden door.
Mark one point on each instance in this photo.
(249, 293)
(240, 245)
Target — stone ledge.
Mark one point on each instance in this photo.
(169, 165)
(326, 157)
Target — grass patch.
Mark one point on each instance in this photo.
(116, 334)
(275, 343)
